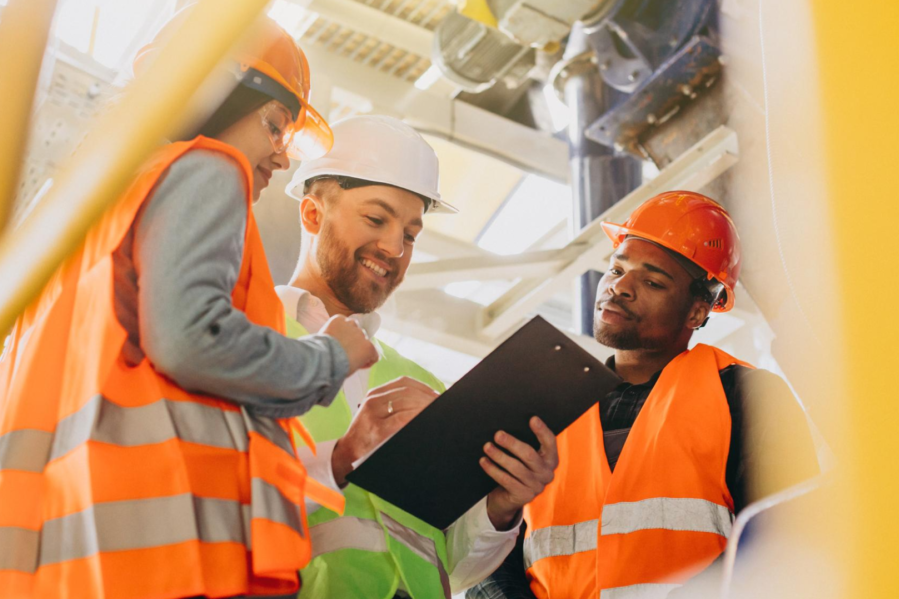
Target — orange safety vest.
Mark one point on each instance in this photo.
(665, 513)
(115, 482)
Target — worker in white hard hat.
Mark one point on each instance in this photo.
(361, 209)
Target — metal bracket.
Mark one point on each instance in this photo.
(693, 69)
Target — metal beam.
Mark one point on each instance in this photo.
(372, 22)
(433, 316)
(431, 275)
(472, 127)
(698, 166)
(445, 246)
(450, 322)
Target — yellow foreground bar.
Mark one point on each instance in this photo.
(24, 30)
(858, 47)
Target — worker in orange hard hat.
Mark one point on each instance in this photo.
(651, 478)
(149, 393)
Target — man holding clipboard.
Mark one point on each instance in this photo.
(651, 477)
(361, 208)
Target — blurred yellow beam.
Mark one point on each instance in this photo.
(858, 46)
(24, 30)
(151, 109)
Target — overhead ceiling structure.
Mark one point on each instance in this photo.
(541, 273)
(510, 252)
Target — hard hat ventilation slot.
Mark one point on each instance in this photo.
(716, 244)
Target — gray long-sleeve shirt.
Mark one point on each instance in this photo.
(174, 274)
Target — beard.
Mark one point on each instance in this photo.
(623, 339)
(340, 270)
(630, 338)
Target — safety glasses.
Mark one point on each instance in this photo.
(279, 125)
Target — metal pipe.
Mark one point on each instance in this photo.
(151, 108)
(599, 177)
(24, 31)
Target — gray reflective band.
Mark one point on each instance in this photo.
(18, 549)
(270, 429)
(560, 540)
(667, 513)
(142, 524)
(693, 515)
(347, 532)
(102, 420)
(26, 449)
(268, 502)
(639, 591)
(420, 545)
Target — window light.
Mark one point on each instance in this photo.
(428, 78)
(114, 25)
(295, 19)
(535, 206)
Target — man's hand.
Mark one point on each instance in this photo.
(360, 351)
(522, 475)
(386, 410)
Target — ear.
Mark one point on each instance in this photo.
(699, 311)
(311, 214)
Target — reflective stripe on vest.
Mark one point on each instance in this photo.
(361, 533)
(664, 513)
(101, 420)
(347, 532)
(560, 540)
(27, 450)
(639, 591)
(667, 513)
(110, 527)
(113, 526)
(420, 545)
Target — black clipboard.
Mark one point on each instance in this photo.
(430, 468)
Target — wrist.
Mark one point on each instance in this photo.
(501, 513)
(341, 465)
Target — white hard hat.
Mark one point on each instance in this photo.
(380, 149)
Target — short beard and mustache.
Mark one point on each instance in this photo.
(628, 338)
(340, 271)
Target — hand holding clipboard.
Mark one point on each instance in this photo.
(431, 467)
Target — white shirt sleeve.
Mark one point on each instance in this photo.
(475, 549)
(319, 467)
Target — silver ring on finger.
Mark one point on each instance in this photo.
(389, 407)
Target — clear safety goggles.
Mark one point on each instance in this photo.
(307, 138)
(279, 125)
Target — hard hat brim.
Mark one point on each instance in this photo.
(438, 206)
(313, 138)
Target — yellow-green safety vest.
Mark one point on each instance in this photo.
(366, 552)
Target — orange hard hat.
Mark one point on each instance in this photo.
(693, 226)
(273, 64)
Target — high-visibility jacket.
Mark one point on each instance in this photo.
(115, 482)
(366, 552)
(661, 517)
